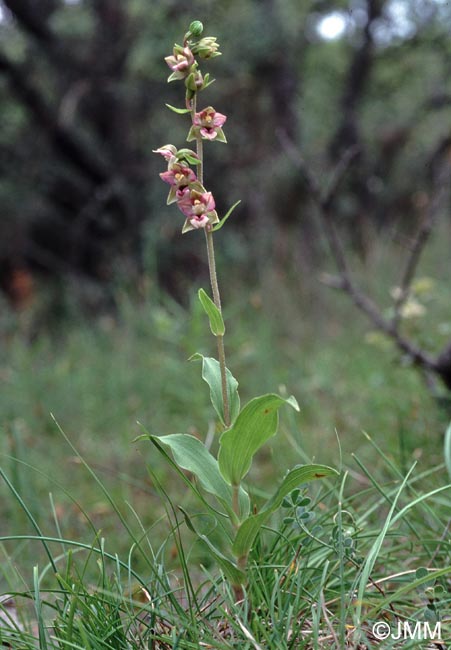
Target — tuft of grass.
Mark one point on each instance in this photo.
(339, 559)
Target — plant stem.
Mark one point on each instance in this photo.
(213, 278)
(236, 500)
(238, 592)
(238, 589)
(220, 337)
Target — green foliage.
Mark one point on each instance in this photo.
(214, 315)
(97, 600)
(256, 423)
(211, 373)
(179, 111)
(447, 450)
(226, 216)
(250, 527)
(190, 454)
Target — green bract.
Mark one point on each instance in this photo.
(211, 373)
(214, 315)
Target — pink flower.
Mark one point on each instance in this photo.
(209, 124)
(195, 203)
(180, 62)
(178, 177)
(198, 208)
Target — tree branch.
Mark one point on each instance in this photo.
(67, 142)
(347, 133)
(345, 281)
(32, 19)
(439, 190)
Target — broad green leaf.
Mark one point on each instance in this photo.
(190, 454)
(226, 216)
(214, 315)
(256, 423)
(211, 373)
(249, 529)
(179, 111)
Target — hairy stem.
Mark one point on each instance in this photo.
(213, 278)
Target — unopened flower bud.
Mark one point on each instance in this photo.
(196, 28)
(194, 81)
(168, 151)
(206, 48)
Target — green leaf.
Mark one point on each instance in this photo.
(228, 567)
(179, 111)
(249, 529)
(447, 450)
(226, 216)
(211, 373)
(256, 423)
(190, 454)
(214, 315)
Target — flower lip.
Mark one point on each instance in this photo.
(209, 133)
(199, 222)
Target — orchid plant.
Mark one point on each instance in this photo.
(243, 430)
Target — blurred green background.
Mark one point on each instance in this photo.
(98, 310)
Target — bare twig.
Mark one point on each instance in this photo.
(327, 620)
(339, 173)
(67, 142)
(441, 188)
(324, 204)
